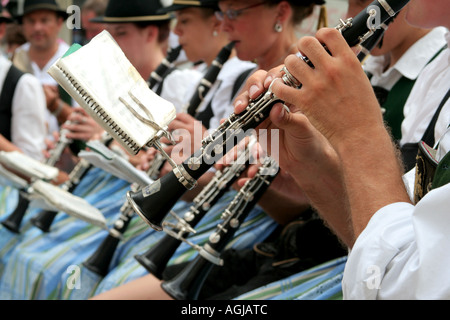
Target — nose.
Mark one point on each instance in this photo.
(177, 29)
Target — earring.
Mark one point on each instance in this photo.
(278, 27)
(215, 33)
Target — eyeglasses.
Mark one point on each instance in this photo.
(233, 14)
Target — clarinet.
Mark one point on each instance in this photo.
(188, 283)
(369, 44)
(157, 257)
(208, 80)
(154, 201)
(44, 219)
(14, 220)
(160, 72)
(197, 98)
(100, 260)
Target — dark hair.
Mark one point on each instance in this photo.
(14, 34)
(208, 11)
(163, 26)
(98, 6)
(301, 9)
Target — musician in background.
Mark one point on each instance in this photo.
(397, 246)
(90, 10)
(22, 107)
(42, 21)
(13, 39)
(200, 33)
(394, 66)
(79, 124)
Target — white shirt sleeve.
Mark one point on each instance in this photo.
(179, 86)
(403, 252)
(28, 124)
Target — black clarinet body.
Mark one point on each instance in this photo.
(374, 40)
(188, 283)
(197, 98)
(100, 260)
(153, 202)
(160, 72)
(157, 257)
(14, 220)
(208, 80)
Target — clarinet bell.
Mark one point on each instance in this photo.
(153, 202)
(44, 220)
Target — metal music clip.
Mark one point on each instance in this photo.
(150, 121)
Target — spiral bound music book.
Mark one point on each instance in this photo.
(105, 84)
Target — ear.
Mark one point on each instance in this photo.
(284, 11)
(216, 24)
(152, 33)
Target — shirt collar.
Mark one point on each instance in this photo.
(420, 53)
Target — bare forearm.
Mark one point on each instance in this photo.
(6, 145)
(372, 174)
(323, 183)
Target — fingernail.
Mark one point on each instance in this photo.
(237, 104)
(282, 113)
(268, 81)
(253, 90)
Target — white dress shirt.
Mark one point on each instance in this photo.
(411, 62)
(47, 79)
(28, 124)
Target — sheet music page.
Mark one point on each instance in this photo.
(28, 166)
(103, 157)
(62, 200)
(7, 178)
(102, 69)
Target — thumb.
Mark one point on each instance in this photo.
(281, 116)
(294, 124)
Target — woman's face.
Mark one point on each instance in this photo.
(130, 38)
(251, 29)
(195, 32)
